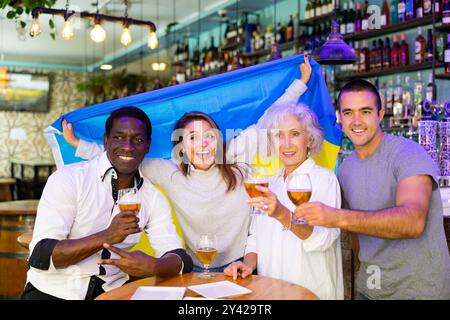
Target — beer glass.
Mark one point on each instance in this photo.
(256, 176)
(299, 190)
(206, 251)
(128, 200)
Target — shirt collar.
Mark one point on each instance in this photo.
(305, 167)
(107, 171)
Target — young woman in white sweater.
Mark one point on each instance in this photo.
(204, 185)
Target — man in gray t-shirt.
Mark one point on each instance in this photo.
(390, 184)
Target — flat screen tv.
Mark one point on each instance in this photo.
(25, 92)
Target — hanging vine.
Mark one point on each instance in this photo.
(18, 10)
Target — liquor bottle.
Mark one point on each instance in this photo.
(308, 13)
(418, 91)
(420, 47)
(419, 9)
(408, 101)
(343, 25)
(395, 53)
(365, 17)
(404, 51)
(356, 66)
(446, 12)
(269, 38)
(374, 56)
(318, 11)
(281, 33)
(253, 42)
(390, 96)
(241, 33)
(429, 53)
(385, 15)
(437, 6)
(410, 9)
(380, 55)
(398, 99)
(430, 94)
(351, 19)
(203, 58)
(301, 35)
(401, 10)
(394, 11)
(308, 38)
(382, 92)
(387, 55)
(186, 52)
(358, 17)
(365, 58)
(290, 29)
(447, 55)
(426, 7)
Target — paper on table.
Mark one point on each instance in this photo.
(159, 293)
(220, 289)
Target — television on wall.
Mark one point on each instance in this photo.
(25, 92)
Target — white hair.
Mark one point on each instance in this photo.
(308, 120)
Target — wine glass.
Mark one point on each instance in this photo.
(256, 176)
(299, 190)
(206, 251)
(129, 200)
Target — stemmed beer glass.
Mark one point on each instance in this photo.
(206, 251)
(256, 176)
(299, 190)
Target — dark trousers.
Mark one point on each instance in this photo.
(32, 293)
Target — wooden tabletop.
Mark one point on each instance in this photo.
(19, 207)
(25, 238)
(263, 288)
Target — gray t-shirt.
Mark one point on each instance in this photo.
(405, 268)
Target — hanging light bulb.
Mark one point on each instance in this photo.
(153, 40)
(162, 66)
(35, 28)
(125, 38)
(67, 32)
(98, 34)
(155, 66)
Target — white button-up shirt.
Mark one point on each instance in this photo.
(77, 202)
(314, 263)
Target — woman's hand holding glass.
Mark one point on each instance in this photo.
(256, 177)
(267, 202)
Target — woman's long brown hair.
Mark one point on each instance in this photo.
(231, 173)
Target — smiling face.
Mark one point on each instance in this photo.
(126, 145)
(361, 120)
(200, 143)
(292, 142)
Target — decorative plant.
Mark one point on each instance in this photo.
(18, 9)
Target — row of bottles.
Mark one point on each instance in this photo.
(319, 8)
(404, 100)
(382, 55)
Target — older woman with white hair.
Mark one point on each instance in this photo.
(276, 247)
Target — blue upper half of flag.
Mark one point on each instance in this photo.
(235, 100)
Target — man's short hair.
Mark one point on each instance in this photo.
(131, 112)
(360, 85)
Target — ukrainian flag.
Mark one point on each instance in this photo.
(235, 100)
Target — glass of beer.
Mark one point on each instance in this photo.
(206, 251)
(299, 191)
(128, 200)
(256, 176)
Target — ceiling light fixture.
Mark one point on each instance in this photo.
(98, 34)
(125, 38)
(67, 32)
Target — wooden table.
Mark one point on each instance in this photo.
(16, 217)
(7, 188)
(263, 288)
(25, 238)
